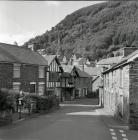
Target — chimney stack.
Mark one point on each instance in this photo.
(128, 50)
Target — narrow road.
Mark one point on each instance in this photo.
(76, 120)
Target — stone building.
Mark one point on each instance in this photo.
(82, 82)
(108, 62)
(121, 89)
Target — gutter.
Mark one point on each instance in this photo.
(117, 66)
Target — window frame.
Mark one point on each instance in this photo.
(33, 83)
(39, 84)
(52, 78)
(41, 72)
(16, 68)
(16, 84)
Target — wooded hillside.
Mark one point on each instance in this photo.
(94, 31)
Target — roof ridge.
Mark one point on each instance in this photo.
(9, 55)
(13, 53)
(16, 46)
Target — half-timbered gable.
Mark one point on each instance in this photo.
(54, 72)
(67, 77)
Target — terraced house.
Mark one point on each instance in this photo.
(121, 89)
(22, 69)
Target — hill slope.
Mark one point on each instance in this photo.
(94, 31)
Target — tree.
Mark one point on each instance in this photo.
(15, 43)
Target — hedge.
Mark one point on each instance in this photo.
(9, 102)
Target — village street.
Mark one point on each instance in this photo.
(76, 120)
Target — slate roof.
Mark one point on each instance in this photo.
(93, 71)
(81, 73)
(123, 61)
(110, 61)
(15, 54)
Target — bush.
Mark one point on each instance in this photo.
(41, 103)
(34, 103)
(6, 101)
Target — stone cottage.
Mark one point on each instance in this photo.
(121, 89)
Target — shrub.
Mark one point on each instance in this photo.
(6, 101)
(41, 103)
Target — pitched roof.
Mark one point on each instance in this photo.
(15, 54)
(110, 61)
(49, 58)
(124, 60)
(67, 68)
(81, 73)
(93, 71)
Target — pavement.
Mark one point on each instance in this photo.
(82, 119)
(111, 121)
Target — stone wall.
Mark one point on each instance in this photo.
(116, 92)
(134, 95)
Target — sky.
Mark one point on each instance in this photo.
(23, 20)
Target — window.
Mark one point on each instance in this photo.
(41, 88)
(32, 87)
(16, 86)
(54, 77)
(16, 70)
(70, 80)
(41, 72)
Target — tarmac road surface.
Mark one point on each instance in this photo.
(75, 120)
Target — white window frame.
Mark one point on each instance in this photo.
(41, 72)
(16, 84)
(16, 70)
(39, 84)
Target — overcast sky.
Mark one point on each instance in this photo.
(22, 20)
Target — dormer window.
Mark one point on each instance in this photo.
(16, 70)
